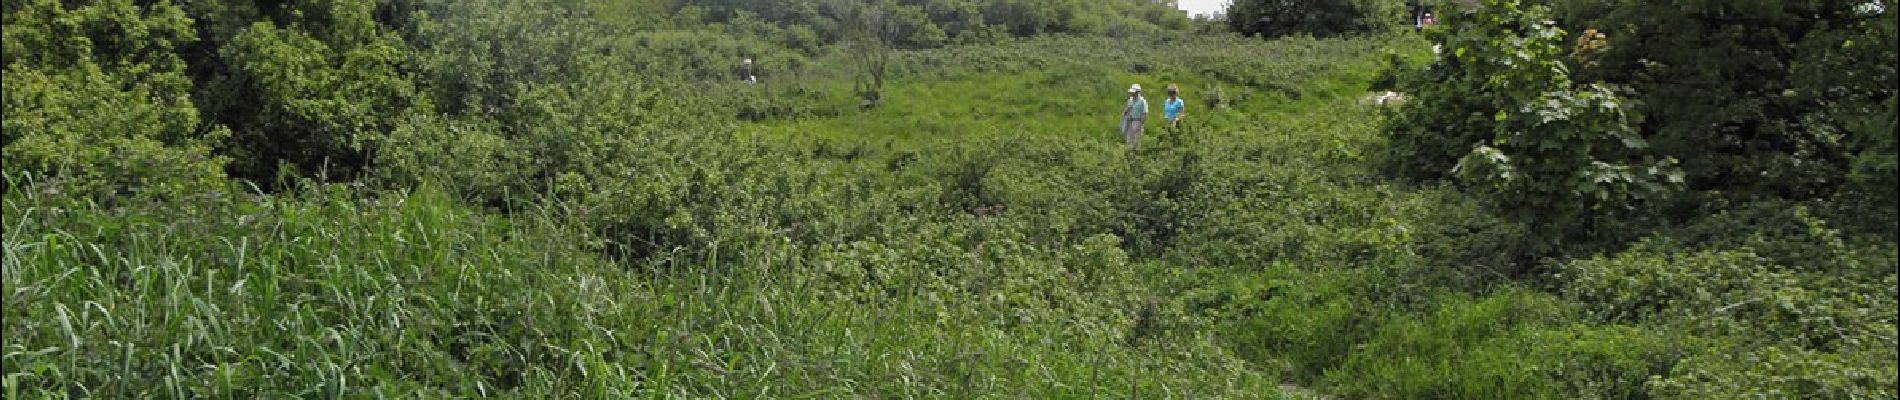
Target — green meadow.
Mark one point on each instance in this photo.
(530, 223)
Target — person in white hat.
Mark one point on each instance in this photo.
(745, 72)
(1133, 115)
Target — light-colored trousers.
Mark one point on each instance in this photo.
(1131, 131)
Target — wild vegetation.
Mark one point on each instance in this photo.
(566, 198)
(1276, 18)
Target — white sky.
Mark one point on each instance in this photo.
(1197, 7)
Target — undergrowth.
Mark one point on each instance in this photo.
(982, 233)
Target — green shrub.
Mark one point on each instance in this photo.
(1876, 167)
(1817, 328)
(81, 129)
(307, 88)
(467, 156)
(1476, 245)
(1750, 370)
(475, 53)
(321, 107)
(591, 212)
(1802, 236)
(1636, 287)
(96, 100)
(1499, 111)
(1276, 18)
(964, 183)
(1791, 82)
(1736, 291)
(933, 23)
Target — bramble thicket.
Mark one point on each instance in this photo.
(929, 198)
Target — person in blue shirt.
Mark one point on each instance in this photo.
(1171, 109)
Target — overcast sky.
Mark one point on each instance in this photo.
(1196, 7)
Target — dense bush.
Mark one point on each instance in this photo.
(564, 198)
(1769, 282)
(940, 22)
(1876, 167)
(95, 97)
(1809, 95)
(1743, 299)
(310, 86)
(1321, 18)
(1809, 335)
(1795, 78)
(1499, 111)
(475, 53)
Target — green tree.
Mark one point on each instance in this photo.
(475, 52)
(871, 32)
(1322, 18)
(1757, 98)
(309, 85)
(96, 96)
(940, 22)
(1499, 111)
(1876, 167)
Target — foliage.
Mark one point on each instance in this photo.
(1876, 167)
(1321, 18)
(475, 53)
(934, 23)
(1541, 149)
(1812, 312)
(870, 33)
(95, 97)
(1797, 77)
(566, 198)
(309, 86)
(1808, 89)
(426, 297)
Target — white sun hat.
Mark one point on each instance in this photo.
(1134, 88)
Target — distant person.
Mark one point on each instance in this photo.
(745, 72)
(1172, 109)
(1429, 20)
(1133, 115)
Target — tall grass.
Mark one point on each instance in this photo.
(981, 234)
(342, 293)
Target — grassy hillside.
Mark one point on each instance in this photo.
(897, 289)
(982, 233)
(1075, 87)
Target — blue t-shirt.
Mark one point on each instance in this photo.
(1172, 108)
